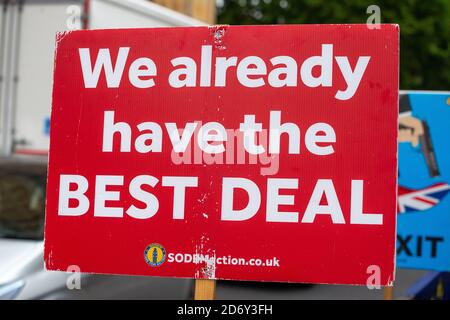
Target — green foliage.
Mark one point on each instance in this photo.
(424, 29)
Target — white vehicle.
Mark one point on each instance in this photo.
(27, 41)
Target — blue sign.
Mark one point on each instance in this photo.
(423, 227)
(433, 286)
(47, 126)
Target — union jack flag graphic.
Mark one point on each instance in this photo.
(422, 199)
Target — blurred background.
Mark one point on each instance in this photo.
(27, 32)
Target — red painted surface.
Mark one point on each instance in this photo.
(319, 252)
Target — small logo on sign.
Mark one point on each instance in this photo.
(155, 254)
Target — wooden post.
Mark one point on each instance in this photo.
(205, 289)
(388, 293)
(204, 10)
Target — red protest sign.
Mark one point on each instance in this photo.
(251, 153)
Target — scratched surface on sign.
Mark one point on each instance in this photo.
(250, 153)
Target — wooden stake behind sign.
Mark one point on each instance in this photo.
(205, 289)
(388, 293)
